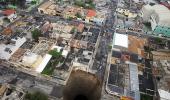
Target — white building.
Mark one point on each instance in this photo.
(158, 16)
(164, 95)
(6, 51)
(120, 41)
(10, 14)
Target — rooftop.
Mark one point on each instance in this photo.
(91, 13)
(120, 40)
(7, 50)
(164, 95)
(45, 5)
(7, 31)
(8, 12)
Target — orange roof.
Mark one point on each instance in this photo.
(8, 12)
(126, 98)
(91, 13)
(7, 31)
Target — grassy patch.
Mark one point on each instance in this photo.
(48, 70)
(146, 97)
(54, 61)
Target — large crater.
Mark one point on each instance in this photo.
(82, 86)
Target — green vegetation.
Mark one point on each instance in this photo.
(56, 59)
(36, 33)
(6, 20)
(55, 53)
(146, 97)
(18, 3)
(36, 96)
(33, 2)
(48, 70)
(147, 25)
(87, 4)
(78, 15)
(109, 47)
(73, 30)
(148, 49)
(70, 18)
(158, 40)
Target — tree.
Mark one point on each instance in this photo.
(36, 96)
(36, 33)
(70, 18)
(78, 15)
(33, 2)
(55, 53)
(6, 20)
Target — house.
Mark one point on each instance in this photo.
(70, 12)
(159, 17)
(90, 15)
(61, 30)
(83, 61)
(49, 8)
(10, 14)
(7, 32)
(126, 12)
(7, 50)
(100, 18)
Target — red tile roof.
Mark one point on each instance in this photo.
(8, 12)
(91, 13)
(165, 4)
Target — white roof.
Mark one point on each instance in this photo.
(164, 95)
(120, 40)
(13, 48)
(163, 14)
(30, 58)
(44, 62)
(160, 12)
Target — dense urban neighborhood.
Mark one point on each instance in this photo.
(84, 49)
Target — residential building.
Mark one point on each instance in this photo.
(61, 30)
(90, 15)
(10, 14)
(7, 50)
(159, 17)
(70, 12)
(100, 17)
(126, 13)
(49, 8)
(83, 60)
